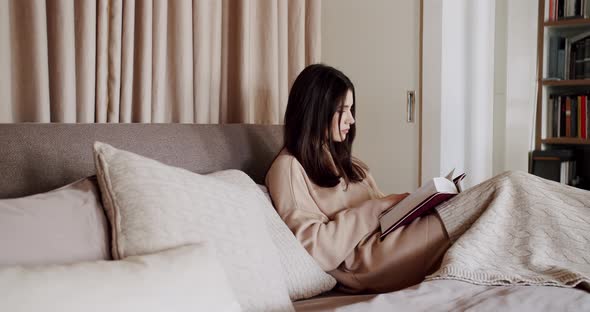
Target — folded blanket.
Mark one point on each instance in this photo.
(528, 231)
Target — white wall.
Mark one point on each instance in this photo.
(467, 88)
(466, 83)
(508, 43)
(500, 51)
(520, 82)
(431, 88)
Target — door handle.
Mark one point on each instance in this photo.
(410, 105)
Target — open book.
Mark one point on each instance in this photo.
(428, 196)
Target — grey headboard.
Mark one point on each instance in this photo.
(36, 158)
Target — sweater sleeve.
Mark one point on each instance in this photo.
(329, 241)
(373, 185)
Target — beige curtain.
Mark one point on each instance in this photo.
(201, 61)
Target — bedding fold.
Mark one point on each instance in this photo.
(519, 230)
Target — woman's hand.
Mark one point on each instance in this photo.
(380, 205)
(392, 199)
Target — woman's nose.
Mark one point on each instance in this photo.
(350, 119)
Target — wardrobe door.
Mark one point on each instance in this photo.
(376, 44)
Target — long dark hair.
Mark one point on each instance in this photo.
(316, 95)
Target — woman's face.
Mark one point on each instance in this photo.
(340, 129)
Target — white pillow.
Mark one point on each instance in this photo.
(186, 278)
(304, 277)
(152, 206)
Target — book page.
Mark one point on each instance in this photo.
(449, 175)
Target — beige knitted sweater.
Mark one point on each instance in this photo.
(339, 227)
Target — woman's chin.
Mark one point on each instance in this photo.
(340, 139)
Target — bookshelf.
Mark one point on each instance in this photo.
(567, 83)
(562, 127)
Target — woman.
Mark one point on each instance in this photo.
(529, 231)
(330, 200)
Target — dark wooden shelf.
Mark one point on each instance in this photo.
(568, 22)
(567, 83)
(569, 141)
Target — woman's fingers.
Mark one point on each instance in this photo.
(396, 198)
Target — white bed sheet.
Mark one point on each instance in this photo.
(448, 295)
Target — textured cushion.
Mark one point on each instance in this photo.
(61, 226)
(303, 275)
(187, 278)
(152, 206)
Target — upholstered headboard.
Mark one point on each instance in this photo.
(36, 158)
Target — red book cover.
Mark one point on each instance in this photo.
(568, 117)
(551, 10)
(578, 108)
(428, 204)
(583, 118)
(421, 201)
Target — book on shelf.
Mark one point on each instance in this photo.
(568, 116)
(556, 58)
(568, 57)
(566, 9)
(584, 118)
(563, 107)
(555, 164)
(575, 56)
(424, 199)
(568, 171)
(562, 114)
(552, 123)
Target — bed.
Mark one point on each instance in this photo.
(36, 158)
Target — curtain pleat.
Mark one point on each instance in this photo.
(199, 61)
(296, 44)
(127, 62)
(85, 38)
(237, 60)
(61, 57)
(313, 34)
(115, 24)
(159, 43)
(30, 67)
(102, 68)
(207, 27)
(143, 65)
(283, 61)
(225, 52)
(180, 61)
(6, 112)
(264, 91)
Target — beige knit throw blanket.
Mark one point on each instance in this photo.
(518, 229)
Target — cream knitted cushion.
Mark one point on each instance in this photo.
(303, 275)
(152, 206)
(186, 278)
